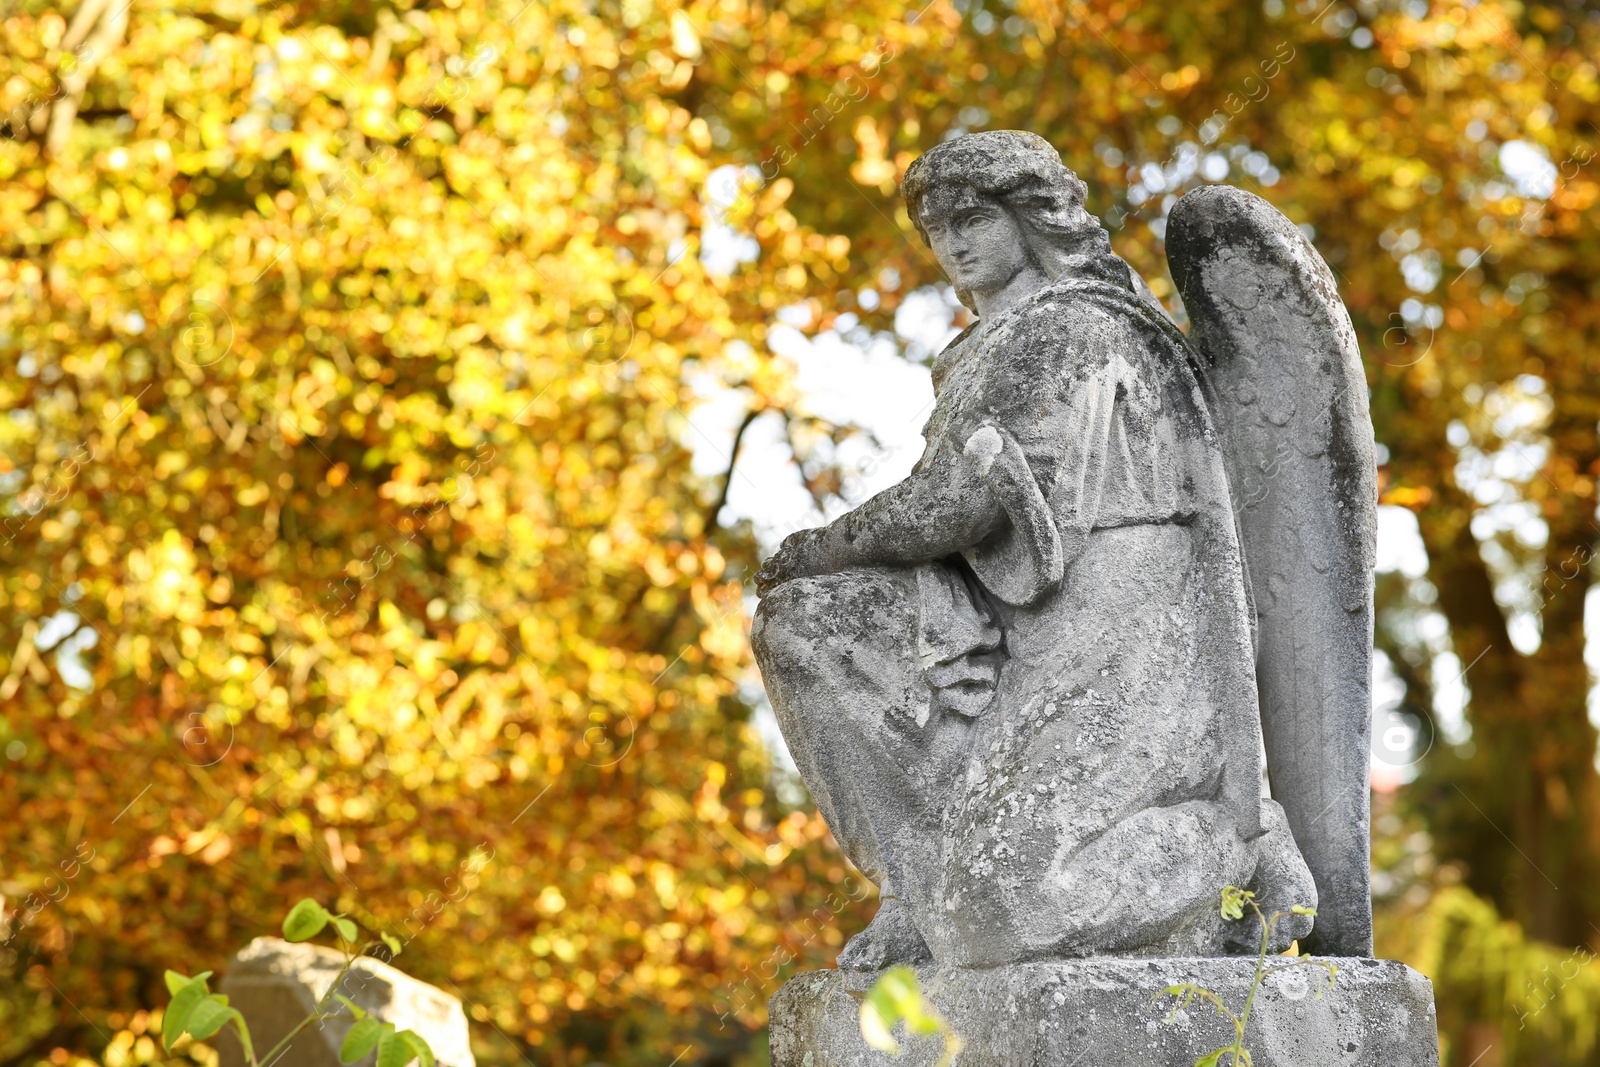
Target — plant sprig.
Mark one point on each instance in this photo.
(896, 997)
(199, 1014)
(1234, 901)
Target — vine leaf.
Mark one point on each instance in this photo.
(184, 1001)
(305, 921)
(209, 1016)
(418, 1046)
(176, 981)
(362, 1039)
(392, 1051)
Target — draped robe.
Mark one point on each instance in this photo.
(1047, 743)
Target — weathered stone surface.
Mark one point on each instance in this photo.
(1099, 1013)
(1022, 684)
(275, 984)
(1291, 395)
(1030, 686)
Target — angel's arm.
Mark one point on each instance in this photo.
(958, 499)
(944, 507)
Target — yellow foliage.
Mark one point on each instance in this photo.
(350, 532)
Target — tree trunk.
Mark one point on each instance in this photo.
(1517, 807)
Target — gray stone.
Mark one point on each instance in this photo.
(275, 984)
(1099, 1013)
(1023, 685)
(1291, 395)
(1030, 686)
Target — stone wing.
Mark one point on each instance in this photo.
(1290, 402)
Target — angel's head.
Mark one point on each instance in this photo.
(976, 239)
(994, 204)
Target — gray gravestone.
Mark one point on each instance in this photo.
(276, 984)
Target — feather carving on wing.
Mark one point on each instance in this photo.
(1290, 399)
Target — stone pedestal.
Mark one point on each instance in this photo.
(1099, 1013)
(275, 984)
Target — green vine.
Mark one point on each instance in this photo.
(1234, 900)
(198, 1013)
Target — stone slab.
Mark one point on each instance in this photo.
(1099, 1013)
(275, 984)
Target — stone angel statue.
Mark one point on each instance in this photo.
(1033, 688)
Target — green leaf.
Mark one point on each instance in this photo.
(184, 1001)
(209, 1016)
(355, 1009)
(393, 942)
(900, 984)
(243, 1029)
(875, 1027)
(360, 1040)
(305, 921)
(884, 1003)
(1301, 909)
(176, 981)
(1233, 901)
(392, 1050)
(347, 930)
(1210, 1060)
(894, 998)
(423, 1052)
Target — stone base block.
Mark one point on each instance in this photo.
(1099, 1013)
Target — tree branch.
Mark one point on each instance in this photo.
(710, 523)
(97, 28)
(733, 461)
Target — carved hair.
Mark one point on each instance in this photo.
(1023, 174)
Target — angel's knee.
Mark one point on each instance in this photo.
(1153, 876)
(850, 609)
(1282, 881)
(785, 625)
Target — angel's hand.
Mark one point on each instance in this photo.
(800, 556)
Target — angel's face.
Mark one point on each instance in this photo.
(976, 240)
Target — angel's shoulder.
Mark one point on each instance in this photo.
(1066, 311)
(1063, 325)
(1060, 334)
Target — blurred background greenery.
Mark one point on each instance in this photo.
(375, 374)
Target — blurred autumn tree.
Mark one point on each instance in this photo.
(350, 538)
(348, 349)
